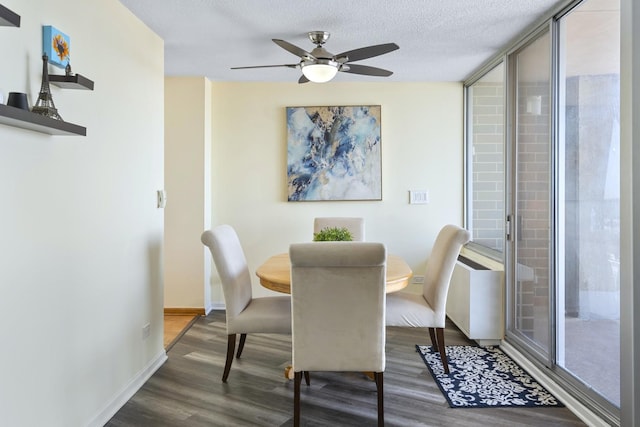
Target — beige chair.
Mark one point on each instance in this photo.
(338, 302)
(427, 310)
(245, 314)
(354, 225)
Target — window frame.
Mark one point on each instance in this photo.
(489, 67)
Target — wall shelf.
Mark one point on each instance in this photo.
(27, 120)
(75, 81)
(8, 18)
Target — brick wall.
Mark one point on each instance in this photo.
(533, 221)
(488, 165)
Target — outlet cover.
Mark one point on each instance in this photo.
(146, 331)
(418, 279)
(161, 197)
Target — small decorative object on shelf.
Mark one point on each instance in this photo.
(44, 105)
(56, 45)
(18, 100)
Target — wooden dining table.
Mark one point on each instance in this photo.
(275, 273)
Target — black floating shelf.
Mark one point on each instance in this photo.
(75, 81)
(27, 120)
(8, 18)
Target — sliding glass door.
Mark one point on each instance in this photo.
(530, 249)
(551, 104)
(563, 212)
(588, 342)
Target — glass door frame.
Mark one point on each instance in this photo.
(515, 338)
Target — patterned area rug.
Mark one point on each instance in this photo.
(484, 377)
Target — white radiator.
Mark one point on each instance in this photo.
(476, 303)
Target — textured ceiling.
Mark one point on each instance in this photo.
(440, 40)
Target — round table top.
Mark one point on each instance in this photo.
(275, 273)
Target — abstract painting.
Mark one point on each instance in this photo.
(334, 153)
(57, 46)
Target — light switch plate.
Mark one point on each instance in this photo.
(418, 197)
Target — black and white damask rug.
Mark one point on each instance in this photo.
(484, 377)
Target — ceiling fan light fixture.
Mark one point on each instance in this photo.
(320, 71)
(321, 66)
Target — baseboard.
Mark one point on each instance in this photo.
(128, 391)
(581, 411)
(215, 306)
(184, 311)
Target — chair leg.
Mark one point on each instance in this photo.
(243, 338)
(307, 379)
(379, 385)
(443, 355)
(231, 346)
(434, 342)
(297, 378)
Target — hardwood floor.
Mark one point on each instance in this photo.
(187, 390)
(174, 326)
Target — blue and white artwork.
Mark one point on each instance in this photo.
(334, 153)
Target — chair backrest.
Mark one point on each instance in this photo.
(353, 224)
(338, 306)
(440, 267)
(231, 264)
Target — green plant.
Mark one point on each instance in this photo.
(332, 234)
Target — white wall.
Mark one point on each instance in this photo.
(188, 177)
(421, 149)
(80, 235)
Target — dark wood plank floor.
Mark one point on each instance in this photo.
(187, 390)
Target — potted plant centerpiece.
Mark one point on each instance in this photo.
(333, 234)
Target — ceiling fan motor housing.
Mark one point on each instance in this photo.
(319, 37)
(321, 53)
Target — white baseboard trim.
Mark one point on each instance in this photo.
(129, 390)
(215, 306)
(581, 411)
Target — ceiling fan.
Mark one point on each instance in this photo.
(320, 65)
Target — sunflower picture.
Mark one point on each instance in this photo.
(61, 47)
(56, 45)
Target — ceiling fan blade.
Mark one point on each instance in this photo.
(366, 70)
(368, 52)
(293, 49)
(266, 66)
(303, 79)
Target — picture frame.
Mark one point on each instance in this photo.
(56, 45)
(334, 153)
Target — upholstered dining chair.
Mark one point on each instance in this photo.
(338, 303)
(427, 309)
(353, 224)
(245, 314)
